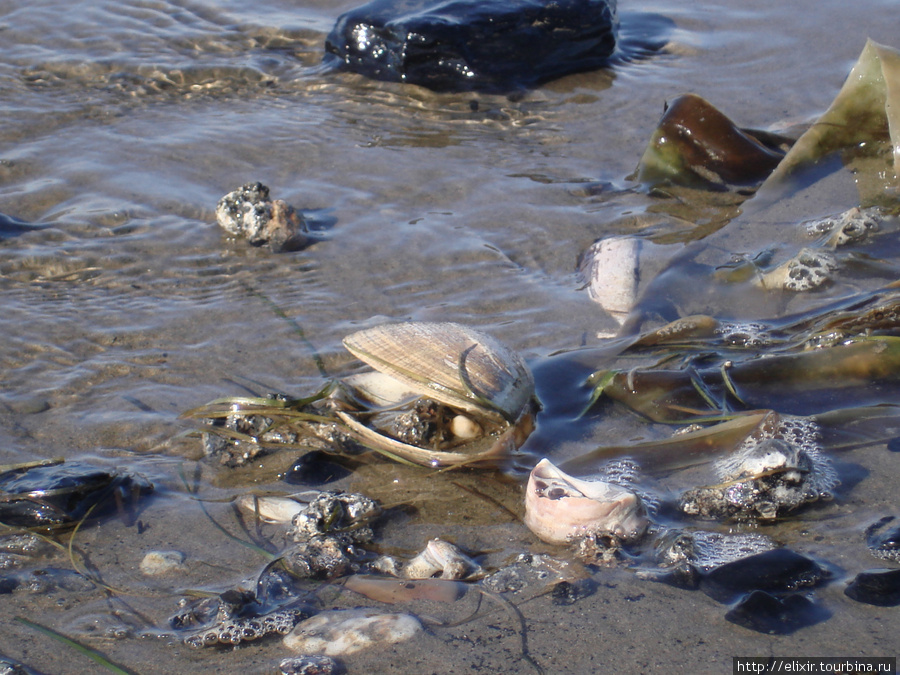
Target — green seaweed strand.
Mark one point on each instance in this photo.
(92, 654)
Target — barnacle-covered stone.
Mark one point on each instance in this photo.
(336, 513)
(849, 227)
(232, 617)
(772, 472)
(248, 212)
(807, 270)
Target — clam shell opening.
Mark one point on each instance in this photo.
(487, 387)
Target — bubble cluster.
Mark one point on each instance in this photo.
(845, 228)
(626, 472)
(744, 334)
(236, 630)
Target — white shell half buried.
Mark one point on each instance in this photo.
(451, 363)
(560, 508)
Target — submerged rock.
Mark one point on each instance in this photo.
(883, 538)
(474, 44)
(767, 613)
(876, 587)
(777, 571)
(58, 494)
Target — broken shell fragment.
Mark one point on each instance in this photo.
(475, 396)
(441, 558)
(560, 509)
(339, 632)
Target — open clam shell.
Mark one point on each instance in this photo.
(560, 509)
(457, 367)
(451, 363)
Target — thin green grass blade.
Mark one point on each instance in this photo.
(92, 654)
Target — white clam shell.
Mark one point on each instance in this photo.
(441, 557)
(560, 508)
(450, 363)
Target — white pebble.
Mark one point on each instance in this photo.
(162, 562)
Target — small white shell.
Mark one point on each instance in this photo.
(340, 632)
(450, 363)
(560, 509)
(441, 557)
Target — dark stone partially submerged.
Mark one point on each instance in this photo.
(777, 571)
(474, 44)
(773, 615)
(883, 538)
(876, 587)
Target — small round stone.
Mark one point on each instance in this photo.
(156, 563)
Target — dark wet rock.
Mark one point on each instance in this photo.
(570, 592)
(777, 571)
(681, 575)
(686, 556)
(474, 44)
(248, 212)
(876, 587)
(63, 493)
(883, 538)
(767, 613)
(313, 469)
(310, 665)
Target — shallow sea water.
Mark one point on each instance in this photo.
(124, 123)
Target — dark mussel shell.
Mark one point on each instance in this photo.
(62, 494)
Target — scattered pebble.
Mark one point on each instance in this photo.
(157, 563)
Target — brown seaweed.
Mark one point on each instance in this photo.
(696, 145)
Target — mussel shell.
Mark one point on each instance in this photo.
(450, 363)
